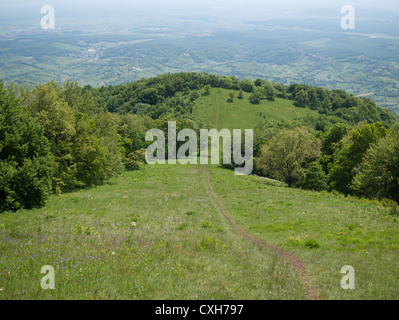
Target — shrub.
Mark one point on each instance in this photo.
(211, 244)
(86, 230)
(26, 164)
(135, 160)
(207, 90)
(314, 178)
(391, 205)
(312, 244)
(379, 174)
(287, 153)
(230, 99)
(206, 224)
(256, 97)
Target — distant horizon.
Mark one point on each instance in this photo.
(246, 6)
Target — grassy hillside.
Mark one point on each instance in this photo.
(197, 232)
(241, 114)
(343, 231)
(181, 248)
(184, 248)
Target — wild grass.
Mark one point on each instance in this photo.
(324, 230)
(179, 248)
(241, 114)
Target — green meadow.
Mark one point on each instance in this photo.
(182, 247)
(325, 231)
(160, 233)
(241, 114)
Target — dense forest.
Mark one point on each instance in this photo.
(57, 138)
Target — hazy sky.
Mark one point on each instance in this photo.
(187, 4)
(249, 10)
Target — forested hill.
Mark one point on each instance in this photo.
(173, 94)
(57, 138)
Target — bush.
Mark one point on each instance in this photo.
(212, 244)
(312, 244)
(379, 174)
(230, 99)
(392, 206)
(26, 164)
(207, 90)
(255, 97)
(135, 160)
(247, 85)
(86, 230)
(314, 178)
(206, 224)
(287, 153)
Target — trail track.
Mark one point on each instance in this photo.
(311, 290)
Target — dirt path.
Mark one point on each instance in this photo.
(311, 291)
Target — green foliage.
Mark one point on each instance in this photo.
(135, 160)
(194, 95)
(312, 244)
(256, 96)
(26, 164)
(57, 118)
(85, 230)
(332, 139)
(302, 99)
(247, 85)
(314, 178)
(231, 97)
(207, 90)
(350, 156)
(85, 141)
(269, 91)
(267, 129)
(206, 224)
(339, 103)
(379, 175)
(212, 244)
(391, 205)
(94, 134)
(107, 126)
(331, 144)
(394, 209)
(285, 157)
(88, 154)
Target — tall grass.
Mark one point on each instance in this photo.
(151, 234)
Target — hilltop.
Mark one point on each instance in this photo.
(77, 194)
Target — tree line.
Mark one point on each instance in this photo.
(361, 160)
(57, 138)
(175, 93)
